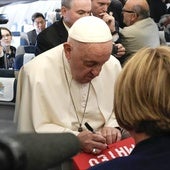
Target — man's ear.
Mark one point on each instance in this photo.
(67, 50)
(134, 18)
(63, 10)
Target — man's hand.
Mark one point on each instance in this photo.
(111, 134)
(121, 50)
(92, 142)
(110, 20)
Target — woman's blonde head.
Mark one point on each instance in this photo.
(142, 93)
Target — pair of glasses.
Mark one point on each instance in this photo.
(128, 11)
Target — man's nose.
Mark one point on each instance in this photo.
(96, 70)
(105, 7)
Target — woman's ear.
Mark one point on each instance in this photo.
(67, 50)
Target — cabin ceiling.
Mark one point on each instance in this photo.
(8, 2)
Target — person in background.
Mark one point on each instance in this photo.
(164, 25)
(57, 33)
(7, 51)
(123, 2)
(39, 24)
(140, 30)
(99, 9)
(157, 8)
(73, 83)
(164, 22)
(58, 14)
(115, 8)
(144, 110)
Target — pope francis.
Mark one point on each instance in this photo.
(73, 83)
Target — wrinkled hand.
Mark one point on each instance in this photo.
(111, 134)
(121, 50)
(90, 141)
(110, 20)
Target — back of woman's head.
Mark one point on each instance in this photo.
(142, 93)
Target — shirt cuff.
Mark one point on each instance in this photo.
(115, 37)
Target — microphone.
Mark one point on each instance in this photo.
(27, 151)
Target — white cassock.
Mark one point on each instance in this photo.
(43, 102)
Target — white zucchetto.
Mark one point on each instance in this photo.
(90, 29)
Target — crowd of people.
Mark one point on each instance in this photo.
(103, 63)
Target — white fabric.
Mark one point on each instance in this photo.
(6, 89)
(43, 102)
(28, 57)
(83, 30)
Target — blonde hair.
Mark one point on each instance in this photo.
(142, 92)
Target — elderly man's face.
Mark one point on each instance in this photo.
(79, 8)
(99, 6)
(86, 60)
(128, 13)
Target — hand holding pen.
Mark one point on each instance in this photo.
(93, 131)
(89, 127)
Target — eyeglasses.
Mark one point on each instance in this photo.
(128, 11)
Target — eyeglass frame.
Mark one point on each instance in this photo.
(128, 11)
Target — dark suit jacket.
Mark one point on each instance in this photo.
(150, 154)
(32, 37)
(52, 36)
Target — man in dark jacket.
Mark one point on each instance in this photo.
(39, 24)
(57, 33)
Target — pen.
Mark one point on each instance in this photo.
(89, 127)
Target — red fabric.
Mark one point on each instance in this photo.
(83, 161)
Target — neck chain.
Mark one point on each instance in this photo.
(80, 129)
